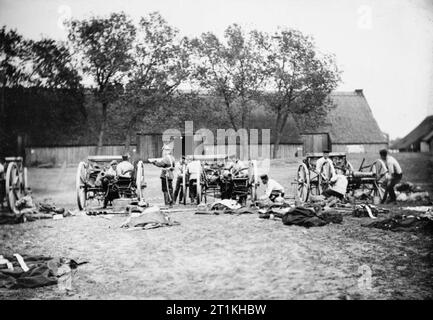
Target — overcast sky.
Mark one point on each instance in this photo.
(384, 47)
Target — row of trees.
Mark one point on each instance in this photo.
(145, 65)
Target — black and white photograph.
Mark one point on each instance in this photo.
(224, 150)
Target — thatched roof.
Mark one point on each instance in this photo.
(416, 135)
(350, 120)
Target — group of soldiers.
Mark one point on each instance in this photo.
(337, 181)
(222, 174)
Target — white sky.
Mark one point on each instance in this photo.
(384, 47)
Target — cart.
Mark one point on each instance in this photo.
(212, 176)
(91, 171)
(369, 178)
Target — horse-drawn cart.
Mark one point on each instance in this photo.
(369, 178)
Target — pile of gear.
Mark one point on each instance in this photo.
(225, 206)
(140, 218)
(403, 222)
(34, 271)
(301, 216)
(29, 210)
(368, 210)
(408, 192)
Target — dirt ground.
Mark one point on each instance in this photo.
(225, 256)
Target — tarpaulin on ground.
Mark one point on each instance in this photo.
(404, 223)
(147, 218)
(226, 206)
(304, 217)
(32, 271)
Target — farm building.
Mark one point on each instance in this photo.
(419, 139)
(349, 127)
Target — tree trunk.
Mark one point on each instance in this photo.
(276, 145)
(232, 120)
(280, 130)
(277, 135)
(3, 130)
(103, 127)
(129, 131)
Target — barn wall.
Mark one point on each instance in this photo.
(149, 146)
(424, 146)
(359, 148)
(70, 155)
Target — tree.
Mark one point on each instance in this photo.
(161, 64)
(232, 70)
(12, 73)
(104, 46)
(299, 77)
(52, 66)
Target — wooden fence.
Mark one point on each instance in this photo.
(70, 155)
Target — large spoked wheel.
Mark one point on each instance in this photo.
(254, 180)
(199, 186)
(303, 179)
(80, 185)
(140, 183)
(14, 186)
(349, 168)
(184, 189)
(379, 186)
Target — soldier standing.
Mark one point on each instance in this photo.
(167, 163)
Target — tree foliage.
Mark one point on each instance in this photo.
(231, 69)
(161, 65)
(298, 77)
(104, 46)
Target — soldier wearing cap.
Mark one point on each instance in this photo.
(111, 171)
(274, 190)
(125, 168)
(109, 176)
(178, 191)
(326, 163)
(167, 163)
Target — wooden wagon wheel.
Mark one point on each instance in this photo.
(349, 167)
(14, 186)
(379, 169)
(303, 179)
(254, 180)
(25, 179)
(140, 183)
(184, 189)
(80, 185)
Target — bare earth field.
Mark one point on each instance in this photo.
(226, 256)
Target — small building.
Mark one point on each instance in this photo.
(419, 139)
